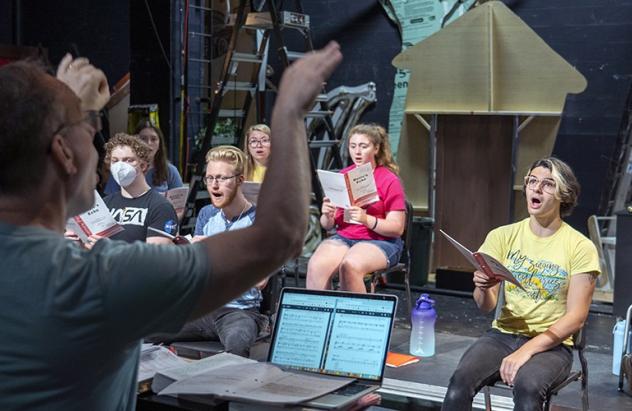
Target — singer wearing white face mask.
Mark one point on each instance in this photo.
(136, 206)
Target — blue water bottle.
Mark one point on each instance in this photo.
(422, 338)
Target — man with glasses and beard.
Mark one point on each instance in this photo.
(236, 324)
(72, 319)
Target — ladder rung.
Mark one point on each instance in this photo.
(319, 113)
(294, 55)
(197, 33)
(231, 113)
(196, 60)
(323, 143)
(322, 98)
(201, 8)
(246, 58)
(240, 85)
(199, 86)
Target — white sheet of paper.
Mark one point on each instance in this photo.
(335, 188)
(167, 376)
(97, 220)
(258, 382)
(156, 359)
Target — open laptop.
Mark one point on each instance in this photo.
(334, 333)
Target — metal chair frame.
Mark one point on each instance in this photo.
(404, 262)
(579, 344)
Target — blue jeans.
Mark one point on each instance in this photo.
(480, 366)
(392, 249)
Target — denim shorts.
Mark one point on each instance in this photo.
(392, 249)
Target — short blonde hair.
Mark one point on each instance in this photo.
(138, 146)
(228, 154)
(567, 187)
(250, 164)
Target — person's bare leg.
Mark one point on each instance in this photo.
(324, 264)
(361, 259)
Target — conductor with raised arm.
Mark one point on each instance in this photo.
(72, 319)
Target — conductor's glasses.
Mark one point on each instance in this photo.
(547, 185)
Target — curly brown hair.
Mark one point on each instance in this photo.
(138, 146)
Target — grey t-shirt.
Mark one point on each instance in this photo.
(71, 320)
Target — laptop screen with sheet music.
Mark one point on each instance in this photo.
(332, 332)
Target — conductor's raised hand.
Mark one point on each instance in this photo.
(483, 281)
(88, 82)
(303, 80)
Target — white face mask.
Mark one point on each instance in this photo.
(123, 173)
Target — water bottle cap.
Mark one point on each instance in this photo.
(424, 302)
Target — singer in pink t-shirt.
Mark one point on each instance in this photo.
(374, 243)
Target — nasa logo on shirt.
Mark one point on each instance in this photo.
(171, 227)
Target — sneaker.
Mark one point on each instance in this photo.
(627, 369)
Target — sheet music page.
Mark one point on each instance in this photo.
(359, 339)
(168, 375)
(301, 337)
(258, 382)
(334, 187)
(156, 359)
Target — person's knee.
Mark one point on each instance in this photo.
(351, 267)
(238, 342)
(529, 393)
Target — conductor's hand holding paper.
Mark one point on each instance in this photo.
(492, 268)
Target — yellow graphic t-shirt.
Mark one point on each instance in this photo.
(544, 266)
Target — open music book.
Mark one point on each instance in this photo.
(484, 262)
(97, 220)
(355, 188)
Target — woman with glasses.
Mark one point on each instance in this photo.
(161, 175)
(257, 147)
(529, 344)
(369, 239)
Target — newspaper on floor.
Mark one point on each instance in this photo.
(258, 383)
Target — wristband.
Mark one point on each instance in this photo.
(374, 225)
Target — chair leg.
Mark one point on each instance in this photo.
(409, 299)
(488, 398)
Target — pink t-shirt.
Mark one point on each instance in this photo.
(392, 198)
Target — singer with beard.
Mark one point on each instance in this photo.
(237, 324)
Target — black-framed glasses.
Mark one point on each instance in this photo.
(208, 180)
(255, 142)
(546, 184)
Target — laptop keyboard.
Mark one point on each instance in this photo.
(351, 389)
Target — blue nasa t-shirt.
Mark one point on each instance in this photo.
(137, 214)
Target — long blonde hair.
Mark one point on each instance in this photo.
(379, 137)
(250, 163)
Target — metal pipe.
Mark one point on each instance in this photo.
(17, 22)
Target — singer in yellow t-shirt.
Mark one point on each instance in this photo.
(528, 346)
